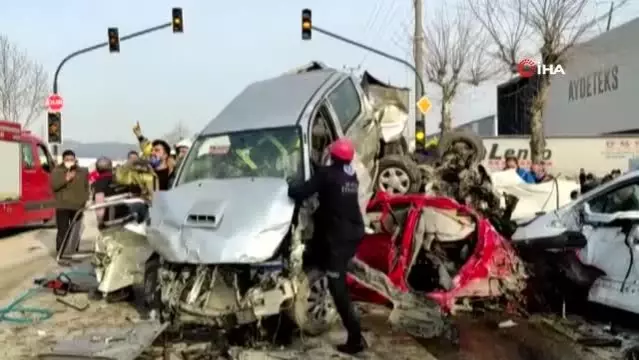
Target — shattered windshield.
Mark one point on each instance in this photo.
(272, 152)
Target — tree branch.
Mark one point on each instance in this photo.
(23, 85)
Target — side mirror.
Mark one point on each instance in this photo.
(46, 167)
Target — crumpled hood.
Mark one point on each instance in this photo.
(221, 221)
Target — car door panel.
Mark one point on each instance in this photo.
(356, 121)
(363, 173)
(612, 248)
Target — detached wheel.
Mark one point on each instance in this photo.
(471, 142)
(398, 175)
(313, 310)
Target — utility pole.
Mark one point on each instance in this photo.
(418, 53)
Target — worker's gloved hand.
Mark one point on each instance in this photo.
(137, 130)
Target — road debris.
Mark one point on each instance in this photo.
(113, 344)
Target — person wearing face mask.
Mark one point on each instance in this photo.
(162, 163)
(70, 185)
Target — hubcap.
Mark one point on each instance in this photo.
(394, 181)
(320, 303)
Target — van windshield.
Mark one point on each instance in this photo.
(272, 152)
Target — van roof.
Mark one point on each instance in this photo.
(271, 103)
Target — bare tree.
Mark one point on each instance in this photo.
(23, 84)
(556, 25)
(180, 131)
(455, 55)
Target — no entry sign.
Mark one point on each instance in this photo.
(54, 103)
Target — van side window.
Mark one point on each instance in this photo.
(322, 134)
(45, 159)
(346, 103)
(27, 156)
(625, 198)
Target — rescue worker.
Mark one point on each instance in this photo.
(339, 228)
(182, 148)
(103, 188)
(132, 157)
(274, 153)
(70, 185)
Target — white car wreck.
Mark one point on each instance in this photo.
(591, 244)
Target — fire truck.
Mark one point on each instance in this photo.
(25, 194)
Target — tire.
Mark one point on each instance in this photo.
(313, 310)
(471, 139)
(399, 174)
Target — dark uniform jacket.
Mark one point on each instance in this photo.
(338, 220)
(72, 195)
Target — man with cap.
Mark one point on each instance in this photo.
(103, 188)
(339, 228)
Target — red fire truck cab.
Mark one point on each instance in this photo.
(25, 164)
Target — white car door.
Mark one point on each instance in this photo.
(613, 247)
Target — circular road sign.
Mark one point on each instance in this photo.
(54, 103)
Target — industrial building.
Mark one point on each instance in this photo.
(596, 96)
(484, 127)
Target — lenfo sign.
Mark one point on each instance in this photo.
(527, 68)
(54, 103)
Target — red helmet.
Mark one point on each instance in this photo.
(342, 149)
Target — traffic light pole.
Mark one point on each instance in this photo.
(54, 148)
(101, 45)
(380, 53)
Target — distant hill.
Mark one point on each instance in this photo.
(113, 150)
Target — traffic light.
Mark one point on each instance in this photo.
(420, 135)
(54, 126)
(114, 40)
(178, 21)
(307, 25)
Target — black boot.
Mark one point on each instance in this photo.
(353, 347)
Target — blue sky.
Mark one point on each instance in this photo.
(163, 78)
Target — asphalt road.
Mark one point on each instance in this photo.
(482, 339)
(25, 254)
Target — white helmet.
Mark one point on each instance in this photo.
(184, 143)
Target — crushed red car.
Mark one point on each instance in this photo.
(437, 247)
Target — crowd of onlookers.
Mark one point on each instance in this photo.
(539, 173)
(590, 181)
(73, 185)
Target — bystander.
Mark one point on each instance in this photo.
(70, 185)
(132, 157)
